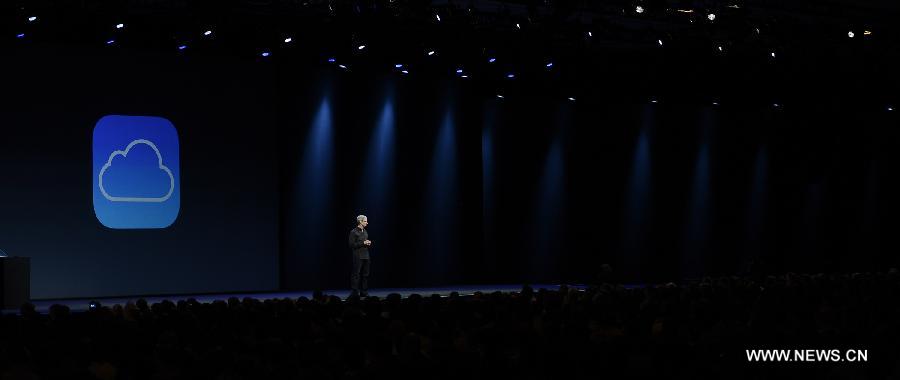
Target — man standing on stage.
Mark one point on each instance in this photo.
(360, 243)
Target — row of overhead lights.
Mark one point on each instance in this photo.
(399, 67)
(710, 16)
(638, 9)
(266, 53)
(460, 72)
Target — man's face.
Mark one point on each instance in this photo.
(364, 223)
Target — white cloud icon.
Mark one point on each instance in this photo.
(125, 154)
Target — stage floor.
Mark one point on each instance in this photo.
(81, 304)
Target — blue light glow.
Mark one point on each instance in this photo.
(376, 185)
(638, 200)
(314, 181)
(441, 197)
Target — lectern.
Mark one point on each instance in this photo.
(15, 279)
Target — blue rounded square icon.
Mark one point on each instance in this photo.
(135, 181)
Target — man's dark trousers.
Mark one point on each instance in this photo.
(359, 278)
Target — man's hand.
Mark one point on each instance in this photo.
(367, 242)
